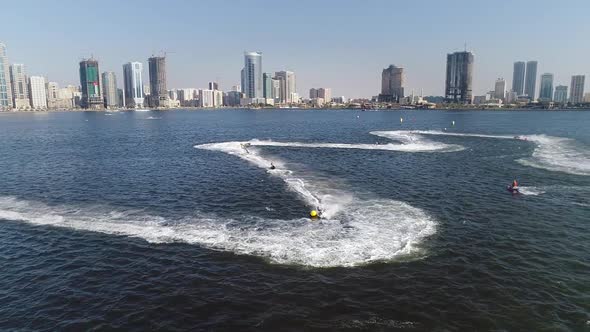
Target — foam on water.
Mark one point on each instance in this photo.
(551, 153)
(531, 191)
(375, 230)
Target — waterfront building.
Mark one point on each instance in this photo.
(90, 83)
(459, 81)
(158, 91)
(213, 86)
(531, 79)
(276, 89)
(5, 85)
(577, 89)
(37, 92)
(232, 98)
(52, 92)
(518, 77)
(546, 91)
(500, 89)
(173, 94)
(560, 96)
(339, 100)
(511, 97)
(206, 98)
(252, 75)
(120, 98)
(325, 93)
(109, 85)
(20, 87)
(217, 98)
(392, 84)
(267, 90)
(313, 93)
(133, 85)
(287, 87)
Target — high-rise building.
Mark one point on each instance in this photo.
(313, 93)
(287, 86)
(37, 92)
(133, 84)
(20, 88)
(325, 93)
(546, 91)
(90, 83)
(518, 77)
(5, 85)
(267, 91)
(560, 96)
(213, 86)
(531, 79)
(500, 89)
(252, 75)
(53, 95)
(173, 94)
(109, 85)
(233, 98)
(392, 84)
(158, 91)
(121, 98)
(459, 82)
(577, 89)
(206, 98)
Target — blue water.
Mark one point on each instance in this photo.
(162, 220)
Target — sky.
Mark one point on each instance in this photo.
(338, 44)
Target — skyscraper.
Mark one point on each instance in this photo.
(518, 78)
(252, 75)
(313, 93)
(287, 86)
(37, 92)
(109, 85)
(392, 84)
(531, 79)
(326, 94)
(5, 85)
(500, 89)
(546, 92)
(213, 86)
(133, 84)
(20, 87)
(267, 86)
(577, 89)
(560, 94)
(158, 91)
(53, 94)
(459, 82)
(90, 83)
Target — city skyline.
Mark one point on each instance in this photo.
(421, 53)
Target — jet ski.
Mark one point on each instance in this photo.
(513, 189)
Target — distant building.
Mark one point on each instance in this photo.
(546, 92)
(53, 94)
(313, 93)
(500, 89)
(120, 98)
(325, 93)
(206, 98)
(287, 87)
(577, 89)
(587, 97)
(459, 82)
(267, 90)
(531, 79)
(339, 100)
(213, 86)
(173, 94)
(560, 96)
(511, 97)
(158, 90)
(90, 83)
(5, 85)
(146, 92)
(133, 85)
(109, 85)
(479, 100)
(518, 78)
(252, 75)
(237, 88)
(392, 84)
(20, 88)
(37, 92)
(233, 98)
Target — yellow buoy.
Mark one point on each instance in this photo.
(313, 213)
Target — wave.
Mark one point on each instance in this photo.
(369, 231)
(531, 191)
(551, 153)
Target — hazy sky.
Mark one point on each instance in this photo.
(331, 43)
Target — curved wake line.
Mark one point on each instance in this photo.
(551, 153)
(378, 230)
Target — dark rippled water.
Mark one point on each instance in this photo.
(135, 221)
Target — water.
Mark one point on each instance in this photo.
(162, 220)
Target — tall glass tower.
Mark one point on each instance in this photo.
(133, 84)
(252, 75)
(90, 83)
(546, 93)
(531, 79)
(459, 82)
(5, 88)
(518, 78)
